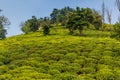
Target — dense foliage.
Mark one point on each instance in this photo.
(60, 15)
(116, 33)
(78, 19)
(31, 25)
(60, 57)
(2, 32)
(73, 19)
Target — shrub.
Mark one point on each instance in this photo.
(5, 77)
(46, 30)
(108, 53)
(68, 76)
(2, 59)
(3, 69)
(54, 72)
(70, 57)
(86, 77)
(88, 70)
(116, 33)
(117, 73)
(56, 56)
(108, 60)
(105, 74)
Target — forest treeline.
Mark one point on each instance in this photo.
(73, 19)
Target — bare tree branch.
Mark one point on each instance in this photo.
(109, 12)
(118, 4)
(103, 12)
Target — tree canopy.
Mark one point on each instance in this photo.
(83, 17)
(73, 19)
(31, 25)
(3, 22)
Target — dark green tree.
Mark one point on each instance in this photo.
(64, 13)
(60, 15)
(46, 24)
(26, 27)
(46, 29)
(3, 32)
(3, 22)
(109, 17)
(31, 25)
(71, 22)
(97, 21)
(54, 15)
(78, 19)
(103, 14)
(116, 33)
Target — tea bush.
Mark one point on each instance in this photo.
(61, 56)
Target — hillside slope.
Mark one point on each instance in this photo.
(59, 57)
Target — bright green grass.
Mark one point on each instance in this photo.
(60, 56)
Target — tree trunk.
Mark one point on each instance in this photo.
(71, 30)
(81, 32)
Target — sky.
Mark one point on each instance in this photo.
(18, 11)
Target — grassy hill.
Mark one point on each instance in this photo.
(60, 56)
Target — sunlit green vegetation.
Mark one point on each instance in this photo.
(71, 44)
(60, 56)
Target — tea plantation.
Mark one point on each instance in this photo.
(60, 56)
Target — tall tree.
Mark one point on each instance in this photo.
(97, 21)
(116, 28)
(71, 22)
(54, 15)
(78, 19)
(3, 22)
(64, 14)
(31, 25)
(60, 15)
(103, 14)
(118, 4)
(46, 24)
(109, 12)
(116, 33)
(85, 18)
